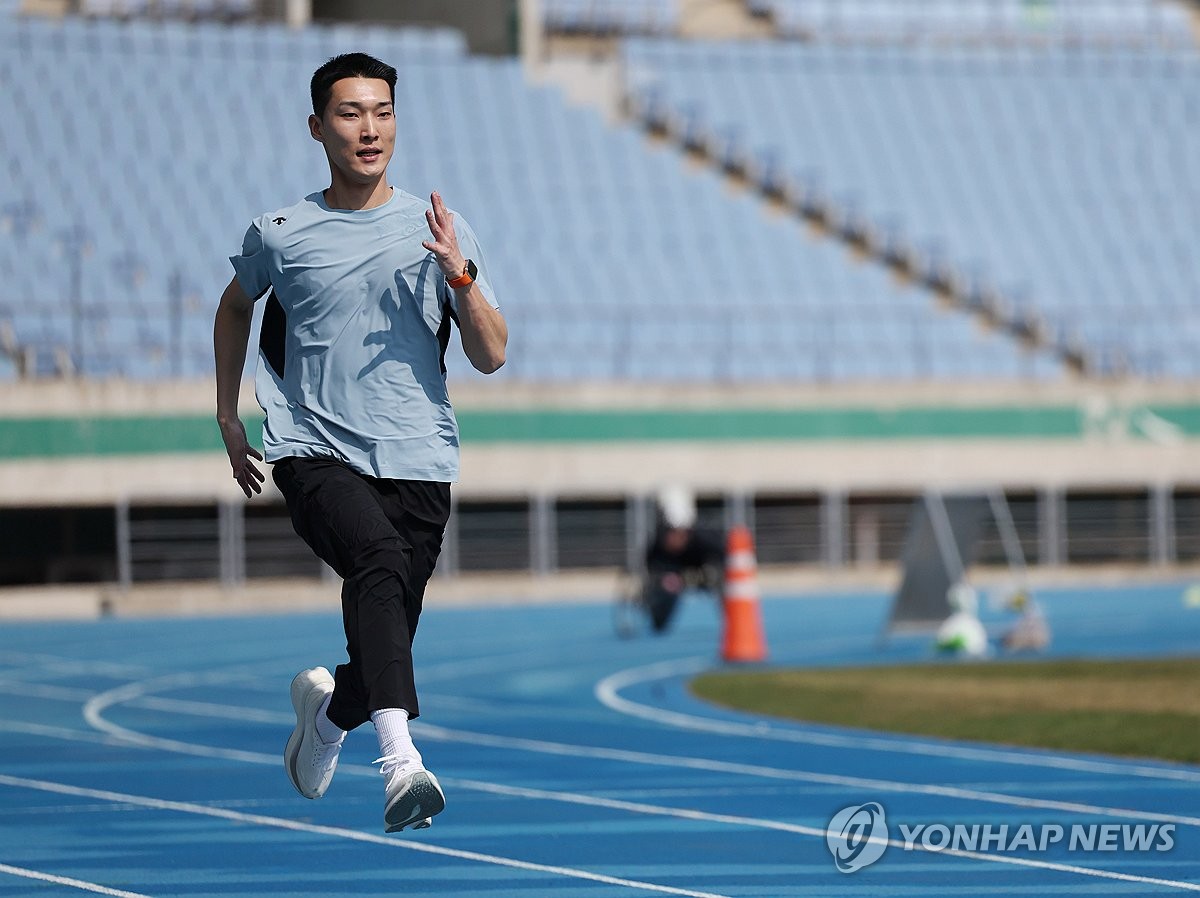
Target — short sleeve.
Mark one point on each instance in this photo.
(251, 266)
(469, 245)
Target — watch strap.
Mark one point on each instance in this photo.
(466, 278)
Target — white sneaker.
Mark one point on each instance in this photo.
(309, 762)
(414, 795)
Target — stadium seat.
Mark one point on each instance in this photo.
(1064, 179)
(675, 276)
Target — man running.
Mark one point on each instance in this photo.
(364, 282)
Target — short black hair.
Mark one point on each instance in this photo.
(348, 65)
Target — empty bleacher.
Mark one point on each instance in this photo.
(611, 16)
(168, 9)
(1158, 23)
(1114, 22)
(154, 144)
(1058, 189)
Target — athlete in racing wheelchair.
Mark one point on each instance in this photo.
(680, 557)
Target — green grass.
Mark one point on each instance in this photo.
(1131, 708)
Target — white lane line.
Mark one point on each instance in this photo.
(186, 807)
(43, 690)
(272, 760)
(456, 670)
(126, 799)
(41, 729)
(607, 692)
(820, 833)
(174, 705)
(115, 734)
(68, 881)
(853, 782)
(93, 713)
(94, 716)
(215, 710)
(210, 709)
(65, 664)
(207, 751)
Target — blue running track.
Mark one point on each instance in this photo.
(142, 757)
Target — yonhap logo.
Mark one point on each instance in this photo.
(857, 836)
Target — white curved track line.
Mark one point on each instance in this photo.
(607, 692)
(93, 713)
(117, 735)
(206, 751)
(80, 884)
(173, 705)
(186, 807)
(94, 707)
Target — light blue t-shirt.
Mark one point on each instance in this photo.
(351, 361)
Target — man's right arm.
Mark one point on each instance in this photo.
(231, 333)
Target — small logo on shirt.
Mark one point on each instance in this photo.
(279, 220)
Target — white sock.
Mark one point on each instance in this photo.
(391, 726)
(328, 731)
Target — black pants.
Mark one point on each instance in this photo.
(383, 538)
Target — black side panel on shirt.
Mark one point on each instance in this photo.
(271, 336)
(443, 333)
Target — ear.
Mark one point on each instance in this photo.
(314, 129)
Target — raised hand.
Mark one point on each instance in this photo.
(444, 244)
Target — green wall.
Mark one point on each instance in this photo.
(47, 437)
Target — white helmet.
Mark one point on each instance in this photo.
(677, 506)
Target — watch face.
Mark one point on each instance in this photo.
(472, 270)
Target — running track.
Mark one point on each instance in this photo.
(142, 757)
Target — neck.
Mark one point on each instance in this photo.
(344, 194)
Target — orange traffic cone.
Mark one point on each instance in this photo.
(743, 639)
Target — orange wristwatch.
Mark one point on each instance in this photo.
(467, 278)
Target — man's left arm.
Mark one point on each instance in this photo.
(484, 330)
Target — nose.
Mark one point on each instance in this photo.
(370, 128)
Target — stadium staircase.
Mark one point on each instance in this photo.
(721, 19)
(1068, 138)
(838, 220)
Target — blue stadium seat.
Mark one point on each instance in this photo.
(611, 16)
(1000, 21)
(1066, 179)
(675, 275)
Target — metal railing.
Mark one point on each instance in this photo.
(234, 542)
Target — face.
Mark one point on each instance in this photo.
(358, 128)
(675, 539)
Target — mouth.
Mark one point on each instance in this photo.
(369, 154)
